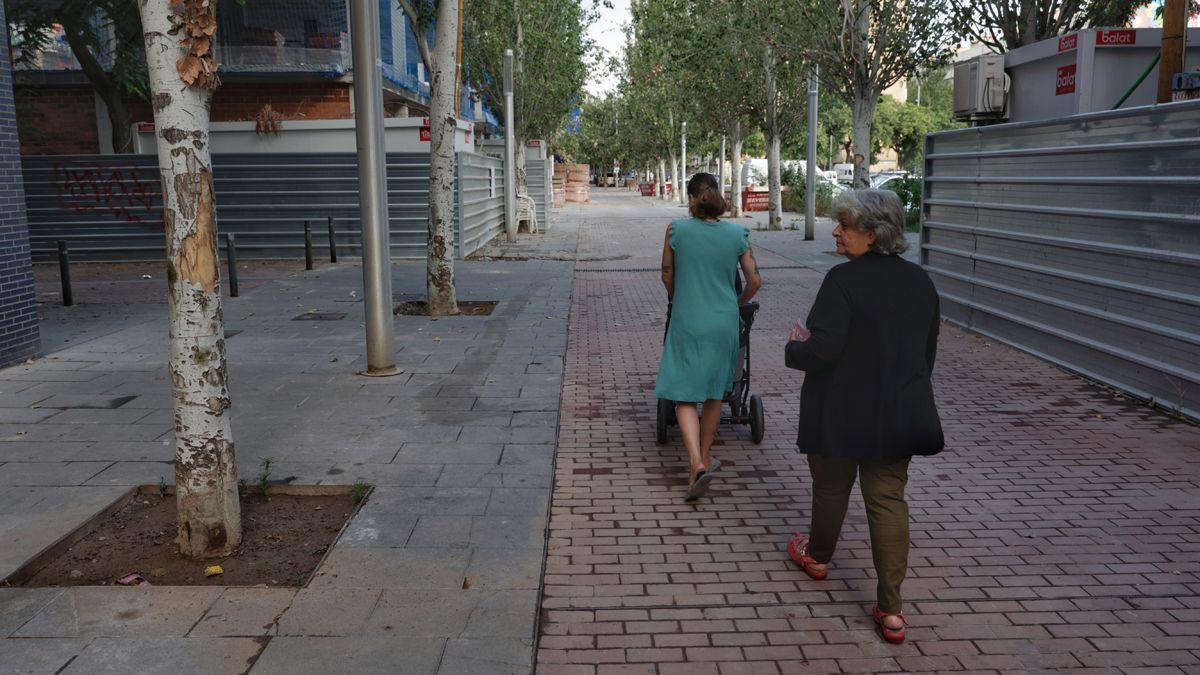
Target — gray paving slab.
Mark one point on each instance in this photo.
(384, 475)
(383, 530)
(18, 605)
(518, 502)
(49, 473)
(423, 501)
(508, 531)
(441, 532)
(160, 611)
(361, 655)
(423, 613)
(166, 656)
(503, 614)
(328, 611)
(244, 612)
(488, 656)
(505, 568)
(485, 451)
(135, 473)
(347, 568)
(37, 656)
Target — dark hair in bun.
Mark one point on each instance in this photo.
(710, 203)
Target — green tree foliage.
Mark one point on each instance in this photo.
(106, 39)
(865, 46)
(1008, 24)
(551, 52)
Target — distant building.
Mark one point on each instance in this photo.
(291, 54)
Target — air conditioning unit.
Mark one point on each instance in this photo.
(981, 89)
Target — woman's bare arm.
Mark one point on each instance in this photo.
(753, 279)
(668, 265)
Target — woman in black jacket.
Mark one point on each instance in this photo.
(867, 405)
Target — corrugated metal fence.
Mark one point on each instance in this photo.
(480, 201)
(108, 207)
(538, 173)
(1077, 240)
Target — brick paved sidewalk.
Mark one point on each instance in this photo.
(1059, 530)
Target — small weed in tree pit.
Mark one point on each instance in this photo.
(360, 492)
(264, 478)
(162, 488)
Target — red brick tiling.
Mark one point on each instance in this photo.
(1060, 530)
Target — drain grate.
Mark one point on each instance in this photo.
(320, 316)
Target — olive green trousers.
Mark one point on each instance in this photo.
(882, 485)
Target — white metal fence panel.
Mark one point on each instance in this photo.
(538, 173)
(1077, 240)
(480, 201)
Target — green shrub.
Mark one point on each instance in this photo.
(909, 189)
(797, 190)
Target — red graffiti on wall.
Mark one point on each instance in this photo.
(117, 189)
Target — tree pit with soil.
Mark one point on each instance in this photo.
(284, 538)
(465, 308)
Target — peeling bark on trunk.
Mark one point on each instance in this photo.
(439, 259)
(735, 169)
(774, 182)
(662, 178)
(519, 163)
(863, 112)
(675, 176)
(205, 472)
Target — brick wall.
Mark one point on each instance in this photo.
(18, 308)
(57, 119)
(61, 119)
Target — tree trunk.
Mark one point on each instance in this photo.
(735, 170)
(863, 112)
(522, 176)
(771, 129)
(662, 178)
(865, 97)
(774, 182)
(205, 472)
(675, 176)
(104, 86)
(439, 258)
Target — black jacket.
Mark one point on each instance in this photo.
(867, 392)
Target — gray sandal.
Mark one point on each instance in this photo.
(699, 488)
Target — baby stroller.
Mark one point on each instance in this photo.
(744, 407)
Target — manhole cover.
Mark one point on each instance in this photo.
(465, 307)
(320, 316)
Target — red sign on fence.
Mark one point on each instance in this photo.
(426, 135)
(1068, 42)
(1064, 83)
(754, 200)
(1122, 37)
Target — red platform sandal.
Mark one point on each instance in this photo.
(798, 550)
(892, 635)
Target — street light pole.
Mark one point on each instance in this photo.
(721, 167)
(510, 152)
(683, 162)
(372, 188)
(810, 171)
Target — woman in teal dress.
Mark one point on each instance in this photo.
(700, 258)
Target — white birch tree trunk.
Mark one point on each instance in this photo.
(863, 115)
(439, 258)
(735, 169)
(774, 181)
(205, 472)
(862, 108)
(662, 178)
(675, 176)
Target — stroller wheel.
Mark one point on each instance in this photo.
(665, 410)
(756, 418)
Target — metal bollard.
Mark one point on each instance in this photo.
(64, 273)
(332, 243)
(231, 257)
(308, 249)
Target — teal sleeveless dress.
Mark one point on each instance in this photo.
(702, 340)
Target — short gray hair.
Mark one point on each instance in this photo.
(874, 210)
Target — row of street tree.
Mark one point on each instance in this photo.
(740, 70)
(165, 54)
